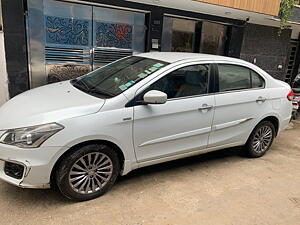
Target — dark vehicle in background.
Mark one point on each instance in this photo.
(296, 102)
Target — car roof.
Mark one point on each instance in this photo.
(172, 57)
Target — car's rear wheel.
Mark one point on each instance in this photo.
(88, 172)
(260, 139)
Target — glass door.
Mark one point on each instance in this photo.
(178, 35)
(67, 40)
(187, 35)
(116, 34)
(213, 38)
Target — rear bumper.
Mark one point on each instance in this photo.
(37, 163)
(284, 123)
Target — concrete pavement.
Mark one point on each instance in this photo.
(216, 188)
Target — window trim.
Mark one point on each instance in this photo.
(217, 81)
(210, 90)
(264, 82)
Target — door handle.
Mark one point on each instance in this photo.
(205, 107)
(261, 99)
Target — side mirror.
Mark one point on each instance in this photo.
(155, 97)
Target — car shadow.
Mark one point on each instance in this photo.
(31, 196)
(189, 162)
(52, 198)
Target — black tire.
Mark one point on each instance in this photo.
(250, 149)
(63, 172)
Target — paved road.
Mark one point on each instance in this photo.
(215, 188)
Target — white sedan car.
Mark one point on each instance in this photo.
(137, 111)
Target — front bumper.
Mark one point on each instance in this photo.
(37, 162)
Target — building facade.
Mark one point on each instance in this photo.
(51, 40)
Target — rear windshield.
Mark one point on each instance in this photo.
(117, 77)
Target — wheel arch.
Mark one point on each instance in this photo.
(274, 120)
(114, 146)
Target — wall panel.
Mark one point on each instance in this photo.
(270, 7)
(263, 47)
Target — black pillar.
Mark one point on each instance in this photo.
(13, 13)
(156, 25)
(297, 62)
(235, 41)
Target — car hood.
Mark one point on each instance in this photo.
(50, 103)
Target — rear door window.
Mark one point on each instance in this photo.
(233, 77)
(257, 80)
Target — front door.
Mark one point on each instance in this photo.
(183, 123)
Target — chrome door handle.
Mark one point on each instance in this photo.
(205, 107)
(261, 99)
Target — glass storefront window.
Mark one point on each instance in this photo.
(186, 35)
(178, 35)
(213, 38)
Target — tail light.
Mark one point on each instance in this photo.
(290, 96)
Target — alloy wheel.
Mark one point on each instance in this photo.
(262, 139)
(90, 173)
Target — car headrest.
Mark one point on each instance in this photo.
(195, 77)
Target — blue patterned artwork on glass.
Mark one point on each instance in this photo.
(67, 31)
(113, 35)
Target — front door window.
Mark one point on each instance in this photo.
(184, 82)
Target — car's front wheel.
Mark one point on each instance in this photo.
(88, 172)
(260, 139)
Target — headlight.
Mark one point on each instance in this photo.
(30, 137)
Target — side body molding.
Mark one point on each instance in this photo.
(177, 136)
(230, 124)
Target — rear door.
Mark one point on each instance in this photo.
(183, 123)
(241, 99)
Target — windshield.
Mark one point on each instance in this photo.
(115, 78)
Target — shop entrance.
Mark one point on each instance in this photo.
(188, 35)
(70, 40)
